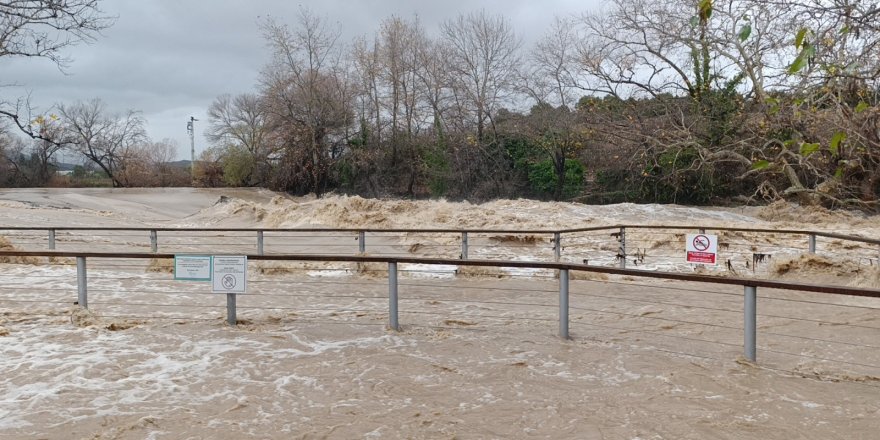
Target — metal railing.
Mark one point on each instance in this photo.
(565, 274)
(617, 232)
(742, 251)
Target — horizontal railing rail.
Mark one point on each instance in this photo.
(857, 238)
(169, 229)
(452, 230)
(709, 279)
(734, 229)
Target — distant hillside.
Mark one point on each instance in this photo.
(66, 166)
(70, 166)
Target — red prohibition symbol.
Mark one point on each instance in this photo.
(701, 243)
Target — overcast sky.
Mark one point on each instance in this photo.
(169, 59)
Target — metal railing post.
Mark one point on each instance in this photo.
(750, 321)
(52, 239)
(622, 250)
(82, 297)
(392, 296)
(464, 245)
(557, 246)
(563, 303)
(812, 243)
(362, 245)
(154, 241)
(259, 242)
(230, 309)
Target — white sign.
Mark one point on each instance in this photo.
(229, 274)
(192, 267)
(702, 249)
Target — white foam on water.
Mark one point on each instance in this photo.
(526, 271)
(435, 271)
(329, 273)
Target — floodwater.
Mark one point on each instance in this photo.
(477, 354)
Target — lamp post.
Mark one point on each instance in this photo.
(191, 129)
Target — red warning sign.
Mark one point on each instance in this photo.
(702, 249)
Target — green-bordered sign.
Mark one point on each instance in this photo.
(192, 267)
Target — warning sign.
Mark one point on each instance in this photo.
(229, 274)
(702, 249)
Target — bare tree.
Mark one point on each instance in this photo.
(13, 155)
(149, 164)
(367, 66)
(676, 89)
(308, 98)
(484, 58)
(399, 44)
(830, 110)
(750, 35)
(780, 93)
(639, 47)
(237, 119)
(436, 81)
(33, 159)
(240, 122)
(44, 29)
(47, 145)
(107, 140)
(552, 77)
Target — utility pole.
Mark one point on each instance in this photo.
(191, 129)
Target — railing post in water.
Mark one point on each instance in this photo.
(362, 245)
(230, 309)
(52, 239)
(557, 246)
(812, 243)
(464, 245)
(751, 332)
(622, 251)
(563, 303)
(154, 241)
(392, 296)
(82, 297)
(259, 242)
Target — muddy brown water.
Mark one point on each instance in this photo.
(477, 356)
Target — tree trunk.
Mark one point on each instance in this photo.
(559, 165)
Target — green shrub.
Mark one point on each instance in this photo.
(543, 179)
(238, 166)
(437, 167)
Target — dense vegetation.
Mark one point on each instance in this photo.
(688, 101)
